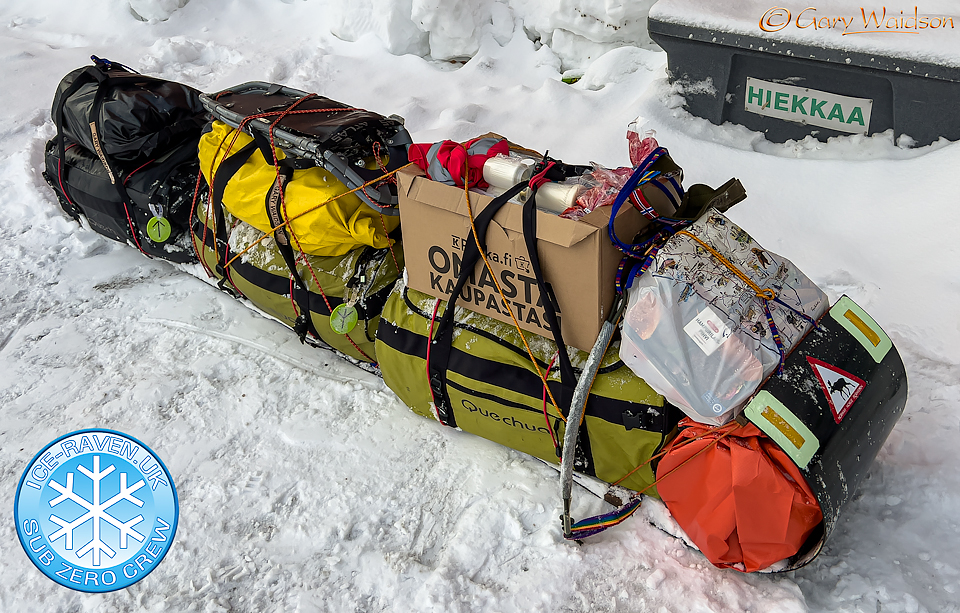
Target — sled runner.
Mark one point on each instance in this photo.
(354, 145)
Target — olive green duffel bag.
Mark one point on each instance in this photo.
(495, 391)
(482, 376)
(343, 295)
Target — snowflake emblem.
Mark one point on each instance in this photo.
(96, 511)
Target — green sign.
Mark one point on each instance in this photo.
(808, 106)
(343, 318)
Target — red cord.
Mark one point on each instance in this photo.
(133, 231)
(541, 177)
(136, 170)
(193, 236)
(60, 175)
(553, 437)
(433, 398)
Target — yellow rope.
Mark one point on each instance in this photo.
(766, 294)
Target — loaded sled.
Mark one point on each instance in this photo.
(669, 308)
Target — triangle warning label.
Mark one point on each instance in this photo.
(841, 388)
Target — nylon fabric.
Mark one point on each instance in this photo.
(495, 392)
(741, 500)
(140, 116)
(444, 161)
(263, 277)
(334, 229)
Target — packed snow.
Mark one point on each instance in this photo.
(304, 484)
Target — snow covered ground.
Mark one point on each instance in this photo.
(304, 484)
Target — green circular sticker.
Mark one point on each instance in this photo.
(158, 229)
(343, 319)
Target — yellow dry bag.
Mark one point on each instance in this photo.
(323, 219)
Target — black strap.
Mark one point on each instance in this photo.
(222, 175)
(272, 203)
(274, 198)
(568, 380)
(443, 339)
(84, 77)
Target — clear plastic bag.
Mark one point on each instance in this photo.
(601, 186)
(698, 333)
(640, 145)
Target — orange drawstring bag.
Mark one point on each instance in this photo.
(737, 495)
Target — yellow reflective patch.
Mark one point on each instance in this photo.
(861, 325)
(786, 429)
(781, 425)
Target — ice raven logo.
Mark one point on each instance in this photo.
(96, 510)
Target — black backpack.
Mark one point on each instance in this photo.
(125, 156)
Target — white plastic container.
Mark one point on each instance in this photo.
(504, 172)
(518, 199)
(558, 197)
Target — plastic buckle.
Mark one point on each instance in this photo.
(631, 420)
(436, 385)
(301, 326)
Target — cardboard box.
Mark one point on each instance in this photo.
(579, 262)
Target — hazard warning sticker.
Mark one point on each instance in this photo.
(840, 387)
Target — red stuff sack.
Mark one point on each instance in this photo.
(737, 495)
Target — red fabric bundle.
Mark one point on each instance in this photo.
(739, 498)
(444, 161)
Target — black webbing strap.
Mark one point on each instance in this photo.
(443, 339)
(304, 323)
(222, 175)
(91, 73)
(96, 130)
(272, 204)
(568, 380)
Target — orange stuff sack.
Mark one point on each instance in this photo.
(737, 495)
